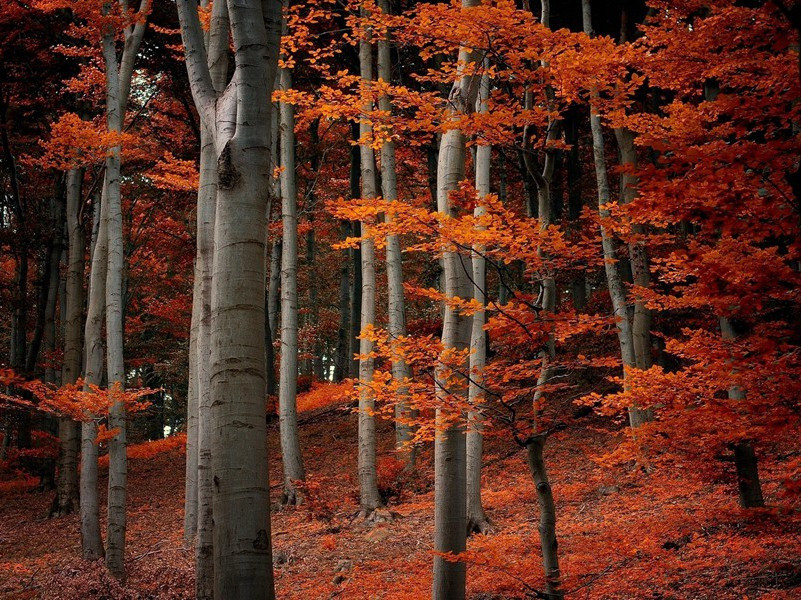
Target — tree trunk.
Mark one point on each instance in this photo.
(240, 120)
(547, 526)
(287, 388)
(404, 415)
(68, 430)
(94, 349)
(638, 254)
(369, 498)
(118, 85)
(617, 290)
(745, 461)
(206, 208)
(450, 501)
(477, 520)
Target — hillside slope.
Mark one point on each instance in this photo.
(621, 535)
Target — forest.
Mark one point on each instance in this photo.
(400, 299)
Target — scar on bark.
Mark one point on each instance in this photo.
(227, 174)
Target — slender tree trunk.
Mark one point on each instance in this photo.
(118, 85)
(118, 468)
(207, 206)
(369, 497)
(91, 540)
(617, 290)
(68, 429)
(404, 415)
(311, 255)
(450, 445)
(287, 389)
(477, 520)
(216, 43)
(547, 526)
(638, 255)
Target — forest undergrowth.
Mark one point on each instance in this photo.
(624, 532)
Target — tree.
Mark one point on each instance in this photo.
(450, 503)
(369, 498)
(239, 120)
(287, 390)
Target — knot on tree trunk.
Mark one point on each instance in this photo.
(227, 174)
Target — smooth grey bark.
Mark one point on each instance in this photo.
(617, 289)
(450, 502)
(369, 498)
(68, 429)
(118, 85)
(216, 43)
(404, 415)
(638, 254)
(240, 122)
(94, 348)
(477, 520)
(287, 387)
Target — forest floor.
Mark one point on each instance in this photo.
(618, 537)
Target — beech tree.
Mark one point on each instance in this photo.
(369, 498)
(287, 390)
(239, 121)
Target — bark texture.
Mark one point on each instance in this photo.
(450, 502)
(396, 312)
(288, 384)
(477, 520)
(91, 540)
(369, 498)
(69, 430)
(240, 121)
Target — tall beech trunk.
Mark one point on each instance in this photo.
(617, 290)
(68, 429)
(216, 44)
(638, 257)
(477, 520)
(404, 415)
(450, 486)
(313, 319)
(239, 119)
(369, 498)
(118, 85)
(94, 352)
(288, 384)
